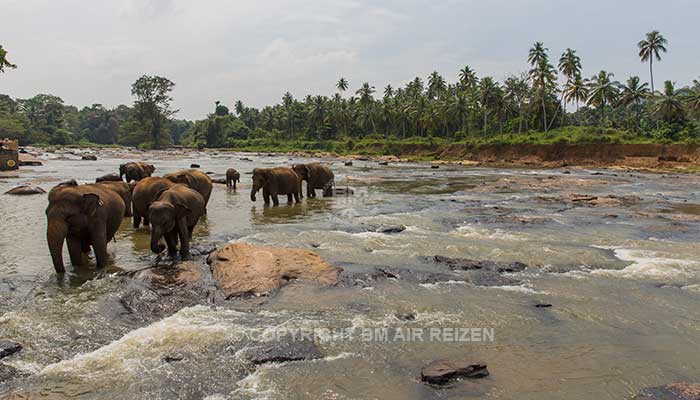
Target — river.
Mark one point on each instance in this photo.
(622, 275)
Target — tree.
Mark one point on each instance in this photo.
(436, 85)
(288, 102)
(366, 102)
(489, 90)
(4, 62)
(650, 49)
(669, 104)
(467, 77)
(576, 90)
(543, 76)
(570, 66)
(152, 104)
(342, 85)
(603, 92)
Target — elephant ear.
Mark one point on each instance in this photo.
(185, 178)
(160, 193)
(182, 210)
(91, 202)
(307, 171)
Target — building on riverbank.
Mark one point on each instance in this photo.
(9, 155)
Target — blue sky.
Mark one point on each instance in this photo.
(90, 51)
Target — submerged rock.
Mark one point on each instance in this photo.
(461, 264)
(8, 348)
(89, 157)
(283, 351)
(383, 163)
(25, 190)
(672, 391)
(343, 191)
(441, 372)
(348, 163)
(242, 269)
(391, 229)
(194, 165)
(109, 178)
(8, 373)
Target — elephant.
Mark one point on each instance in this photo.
(174, 215)
(276, 181)
(196, 180)
(82, 216)
(109, 178)
(123, 189)
(317, 176)
(135, 171)
(145, 192)
(232, 176)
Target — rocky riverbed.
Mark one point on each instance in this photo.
(568, 283)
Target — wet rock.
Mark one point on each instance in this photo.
(188, 273)
(582, 200)
(109, 178)
(172, 358)
(406, 317)
(461, 264)
(283, 351)
(672, 391)
(434, 166)
(388, 230)
(7, 348)
(490, 279)
(383, 163)
(25, 190)
(348, 163)
(242, 269)
(246, 159)
(343, 191)
(8, 373)
(441, 372)
(89, 157)
(543, 305)
(194, 165)
(379, 274)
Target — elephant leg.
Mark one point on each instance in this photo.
(309, 191)
(171, 241)
(75, 250)
(146, 221)
(289, 198)
(99, 245)
(275, 199)
(266, 196)
(296, 197)
(184, 232)
(234, 185)
(137, 220)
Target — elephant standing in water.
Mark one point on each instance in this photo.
(123, 189)
(317, 176)
(82, 216)
(232, 176)
(196, 180)
(135, 171)
(276, 181)
(144, 193)
(174, 215)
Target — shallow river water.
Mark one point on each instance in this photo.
(623, 279)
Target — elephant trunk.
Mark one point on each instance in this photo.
(55, 235)
(156, 234)
(252, 193)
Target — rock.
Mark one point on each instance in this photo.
(441, 372)
(406, 317)
(434, 166)
(187, 273)
(283, 351)
(26, 190)
(672, 391)
(242, 269)
(343, 191)
(383, 163)
(460, 264)
(194, 165)
(543, 305)
(8, 373)
(379, 274)
(391, 229)
(109, 178)
(172, 358)
(221, 181)
(7, 348)
(27, 160)
(348, 163)
(246, 159)
(89, 157)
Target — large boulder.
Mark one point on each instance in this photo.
(26, 190)
(441, 372)
(672, 391)
(242, 269)
(8, 348)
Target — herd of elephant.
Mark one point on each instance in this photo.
(89, 215)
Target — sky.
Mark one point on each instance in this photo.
(89, 51)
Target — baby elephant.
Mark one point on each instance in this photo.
(174, 215)
(232, 176)
(317, 176)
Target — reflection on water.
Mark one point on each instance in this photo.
(623, 283)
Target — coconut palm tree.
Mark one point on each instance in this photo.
(603, 92)
(4, 62)
(467, 77)
(436, 85)
(576, 90)
(366, 102)
(650, 49)
(516, 92)
(388, 91)
(342, 85)
(537, 54)
(633, 92)
(489, 96)
(669, 104)
(570, 66)
(459, 106)
(693, 98)
(317, 113)
(288, 102)
(543, 76)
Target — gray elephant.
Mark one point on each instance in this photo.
(317, 176)
(276, 181)
(82, 216)
(135, 171)
(174, 215)
(232, 176)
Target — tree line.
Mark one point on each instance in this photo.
(550, 95)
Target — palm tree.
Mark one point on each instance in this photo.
(467, 77)
(388, 91)
(576, 90)
(288, 101)
(342, 85)
(489, 95)
(516, 92)
(366, 101)
(651, 48)
(436, 85)
(669, 104)
(317, 113)
(693, 99)
(603, 92)
(542, 74)
(633, 92)
(570, 66)
(537, 54)
(4, 62)
(459, 106)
